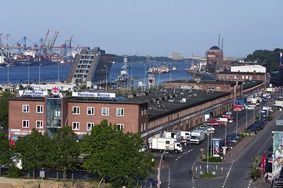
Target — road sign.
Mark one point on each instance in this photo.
(279, 122)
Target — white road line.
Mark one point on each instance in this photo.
(228, 173)
(250, 182)
(193, 180)
(169, 177)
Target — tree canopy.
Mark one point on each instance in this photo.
(267, 58)
(65, 150)
(5, 150)
(115, 156)
(4, 100)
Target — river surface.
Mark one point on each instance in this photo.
(51, 73)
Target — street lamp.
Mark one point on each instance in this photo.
(8, 73)
(28, 73)
(246, 118)
(207, 153)
(159, 166)
(58, 69)
(39, 66)
(106, 77)
(237, 122)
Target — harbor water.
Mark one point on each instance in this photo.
(53, 73)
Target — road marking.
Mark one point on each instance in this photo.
(228, 173)
(250, 182)
(193, 179)
(169, 177)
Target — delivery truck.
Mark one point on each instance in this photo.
(197, 137)
(168, 144)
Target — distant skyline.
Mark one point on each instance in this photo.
(150, 27)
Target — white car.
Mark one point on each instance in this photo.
(250, 107)
(207, 128)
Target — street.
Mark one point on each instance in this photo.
(177, 169)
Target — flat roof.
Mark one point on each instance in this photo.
(228, 82)
(166, 101)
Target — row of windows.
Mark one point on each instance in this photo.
(104, 111)
(75, 125)
(26, 108)
(90, 125)
(76, 110)
(38, 124)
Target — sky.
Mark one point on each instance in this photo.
(149, 27)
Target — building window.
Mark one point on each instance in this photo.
(76, 126)
(120, 126)
(105, 111)
(25, 108)
(89, 126)
(90, 111)
(39, 108)
(39, 124)
(76, 110)
(25, 124)
(120, 112)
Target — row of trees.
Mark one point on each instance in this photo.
(107, 152)
(268, 58)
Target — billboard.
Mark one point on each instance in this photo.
(216, 147)
(277, 159)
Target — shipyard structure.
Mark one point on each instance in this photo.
(91, 67)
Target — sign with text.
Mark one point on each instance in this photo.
(94, 94)
(33, 93)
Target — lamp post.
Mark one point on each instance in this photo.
(237, 122)
(8, 73)
(106, 77)
(207, 153)
(246, 118)
(159, 167)
(28, 73)
(58, 70)
(39, 67)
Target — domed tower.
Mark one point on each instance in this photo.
(214, 59)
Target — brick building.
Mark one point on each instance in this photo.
(214, 59)
(147, 113)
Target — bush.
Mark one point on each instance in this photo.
(255, 173)
(213, 159)
(14, 172)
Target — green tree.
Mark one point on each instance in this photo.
(5, 150)
(267, 58)
(4, 100)
(65, 150)
(115, 156)
(34, 151)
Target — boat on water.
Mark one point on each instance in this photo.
(174, 68)
(159, 69)
(123, 76)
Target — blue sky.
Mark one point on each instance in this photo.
(150, 27)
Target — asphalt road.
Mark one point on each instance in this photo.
(177, 168)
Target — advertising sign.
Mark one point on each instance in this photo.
(33, 93)
(94, 94)
(216, 147)
(277, 152)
